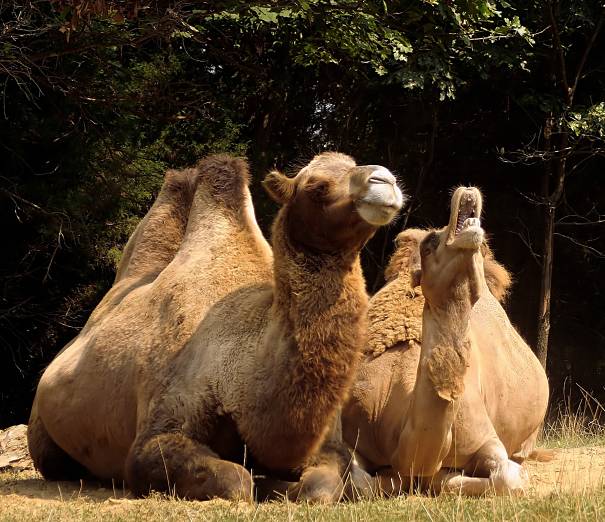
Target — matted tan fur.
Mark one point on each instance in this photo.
(210, 349)
(469, 397)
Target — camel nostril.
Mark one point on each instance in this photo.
(382, 175)
(379, 179)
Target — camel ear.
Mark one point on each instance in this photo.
(415, 277)
(279, 187)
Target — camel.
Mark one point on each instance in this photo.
(448, 397)
(210, 349)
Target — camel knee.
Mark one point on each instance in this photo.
(505, 475)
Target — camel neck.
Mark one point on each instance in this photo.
(320, 303)
(311, 285)
(446, 345)
(426, 435)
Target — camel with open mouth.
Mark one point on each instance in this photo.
(449, 396)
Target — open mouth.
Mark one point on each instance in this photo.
(469, 211)
(466, 206)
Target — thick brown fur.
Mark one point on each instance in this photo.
(396, 314)
(208, 343)
(226, 188)
(498, 278)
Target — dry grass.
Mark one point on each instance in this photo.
(570, 487)
(588, 504)
(575, 426)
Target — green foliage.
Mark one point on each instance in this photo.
(98, 101)
(417, 45)
(589, 122)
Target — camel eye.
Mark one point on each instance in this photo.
(318, 189)
(429, 244)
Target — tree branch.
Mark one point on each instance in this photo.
(560, 54)
(592, 250)
(589, 47)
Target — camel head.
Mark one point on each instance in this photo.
(334, 205)
(452, 258)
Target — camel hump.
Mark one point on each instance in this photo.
(225, 177)
(542, 455)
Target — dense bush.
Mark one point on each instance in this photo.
(99, 98)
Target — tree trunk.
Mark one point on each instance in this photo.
(544, 309)
(553, 186)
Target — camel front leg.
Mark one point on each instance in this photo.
(175, 463)
(489, 471)
(332, 474)
(426, 436)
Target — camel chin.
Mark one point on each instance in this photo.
(377, 215)
(382, 200)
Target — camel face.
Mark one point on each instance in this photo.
(376, 194)
(451, 259)
(334, 205)
(464, 228)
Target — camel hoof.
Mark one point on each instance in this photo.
(317, 486)
(233, 484)
(360, 485)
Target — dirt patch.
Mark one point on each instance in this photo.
(573, 470)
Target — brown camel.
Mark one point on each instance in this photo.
(449, 393)
(209, 347)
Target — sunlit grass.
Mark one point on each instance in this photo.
(574, 426)
(571, 487)
(589, 506)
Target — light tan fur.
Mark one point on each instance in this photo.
(468, 395)
(207, 343)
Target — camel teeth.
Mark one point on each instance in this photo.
(471, 222)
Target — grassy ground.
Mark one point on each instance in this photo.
(585, 505)
(582, 425)
(570, 487)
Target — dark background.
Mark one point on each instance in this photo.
(97, 103)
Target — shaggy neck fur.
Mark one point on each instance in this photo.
(321, 303)
(446, 349)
